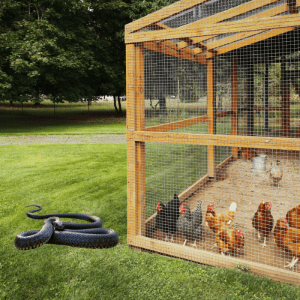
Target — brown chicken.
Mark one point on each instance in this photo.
(276, 173)
(293, 217)
(248, 153)
(263, 221)
(216, 220)
(287, 239)
(230, 240)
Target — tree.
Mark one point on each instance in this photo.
(65, 49)
(50, 47)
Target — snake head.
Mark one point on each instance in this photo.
(56, 222)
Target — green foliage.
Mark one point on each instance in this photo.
(64, 49)
(139, 9)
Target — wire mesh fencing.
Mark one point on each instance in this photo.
(213, 134)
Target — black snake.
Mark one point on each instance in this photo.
(55, 231)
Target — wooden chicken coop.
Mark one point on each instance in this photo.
(213, 86)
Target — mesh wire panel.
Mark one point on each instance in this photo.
(215, 103)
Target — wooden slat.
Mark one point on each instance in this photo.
(187, 122)
(219, 28)
(230, 39)
(215, 140)
(177, 124)
(172, 52)
(234, 105)
(224, 163)
(235, 11)
(219, 17)
(130, 89)
(193, 188)
(252, 40)
(162, 14)
(211, 117)
(214, 259)
(174, 46)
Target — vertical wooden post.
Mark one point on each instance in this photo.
(211, 116)
(250, 97)
(130, 126)
(285, 101)
(140, 146)
(234, 105)
(266, 97)
(135, 150)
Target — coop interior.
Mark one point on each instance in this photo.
(214, 118)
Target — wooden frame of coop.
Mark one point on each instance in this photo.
(150, 33)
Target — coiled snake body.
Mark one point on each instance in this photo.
(54, 231)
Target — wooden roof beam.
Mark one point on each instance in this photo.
(234, 38)
(230, 13)
(252, 40)
(216, 29)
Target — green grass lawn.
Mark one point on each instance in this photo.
(92, 179)
(67, 118)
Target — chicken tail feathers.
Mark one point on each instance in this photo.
(233, 206)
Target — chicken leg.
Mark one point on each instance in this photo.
(194, 245)
(292, 263)
(172, 238)
(265, 242)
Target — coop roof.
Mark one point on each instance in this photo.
(202, 29)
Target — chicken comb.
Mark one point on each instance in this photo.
(239, 232)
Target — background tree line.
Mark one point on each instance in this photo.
(66, 50)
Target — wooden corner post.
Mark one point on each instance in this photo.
(211, 116)
(140, 146)
(234, 105)
(135, 149)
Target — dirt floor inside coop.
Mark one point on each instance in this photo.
(236, 182)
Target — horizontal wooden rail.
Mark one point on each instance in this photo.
(219, 28)
(215, 140)
(210, 258)
(186, 122)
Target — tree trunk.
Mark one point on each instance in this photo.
(162, 106)
(118, 110)
(120, 106)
